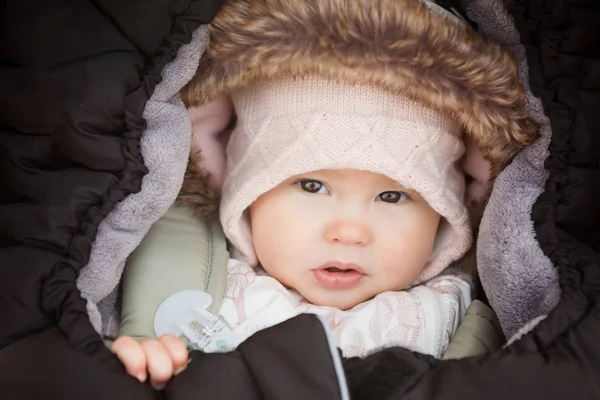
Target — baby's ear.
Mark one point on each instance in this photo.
(210, 124)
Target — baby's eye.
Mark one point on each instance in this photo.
(393, 197)
(312, 186)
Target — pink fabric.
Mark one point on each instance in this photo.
(294, 126)
(479, 169)
(422, 319)
(208, 128)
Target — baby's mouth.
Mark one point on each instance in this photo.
(336, 275)
(339, 267)
(334, 269)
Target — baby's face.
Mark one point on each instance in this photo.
(340, 237)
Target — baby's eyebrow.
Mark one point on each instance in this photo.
(400, 187)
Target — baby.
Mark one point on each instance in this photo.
(345, 195)
(342, 186)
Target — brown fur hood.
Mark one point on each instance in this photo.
(399, 45)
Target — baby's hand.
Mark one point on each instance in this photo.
(160, 358)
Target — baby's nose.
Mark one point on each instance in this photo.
(349, 233)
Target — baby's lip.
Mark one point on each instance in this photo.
(342, 266)
(338, 276)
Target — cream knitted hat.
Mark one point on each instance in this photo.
(293, 126)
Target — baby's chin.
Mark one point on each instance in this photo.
(340, 300)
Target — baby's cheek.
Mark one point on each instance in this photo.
(275, 261)
(403, 264)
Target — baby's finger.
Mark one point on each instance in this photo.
(177, 350)
(131, 354)
(159, 362)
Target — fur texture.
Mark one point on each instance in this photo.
(399, 45)
(196, 191)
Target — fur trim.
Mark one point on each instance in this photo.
(399, 45)
(196, 191)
